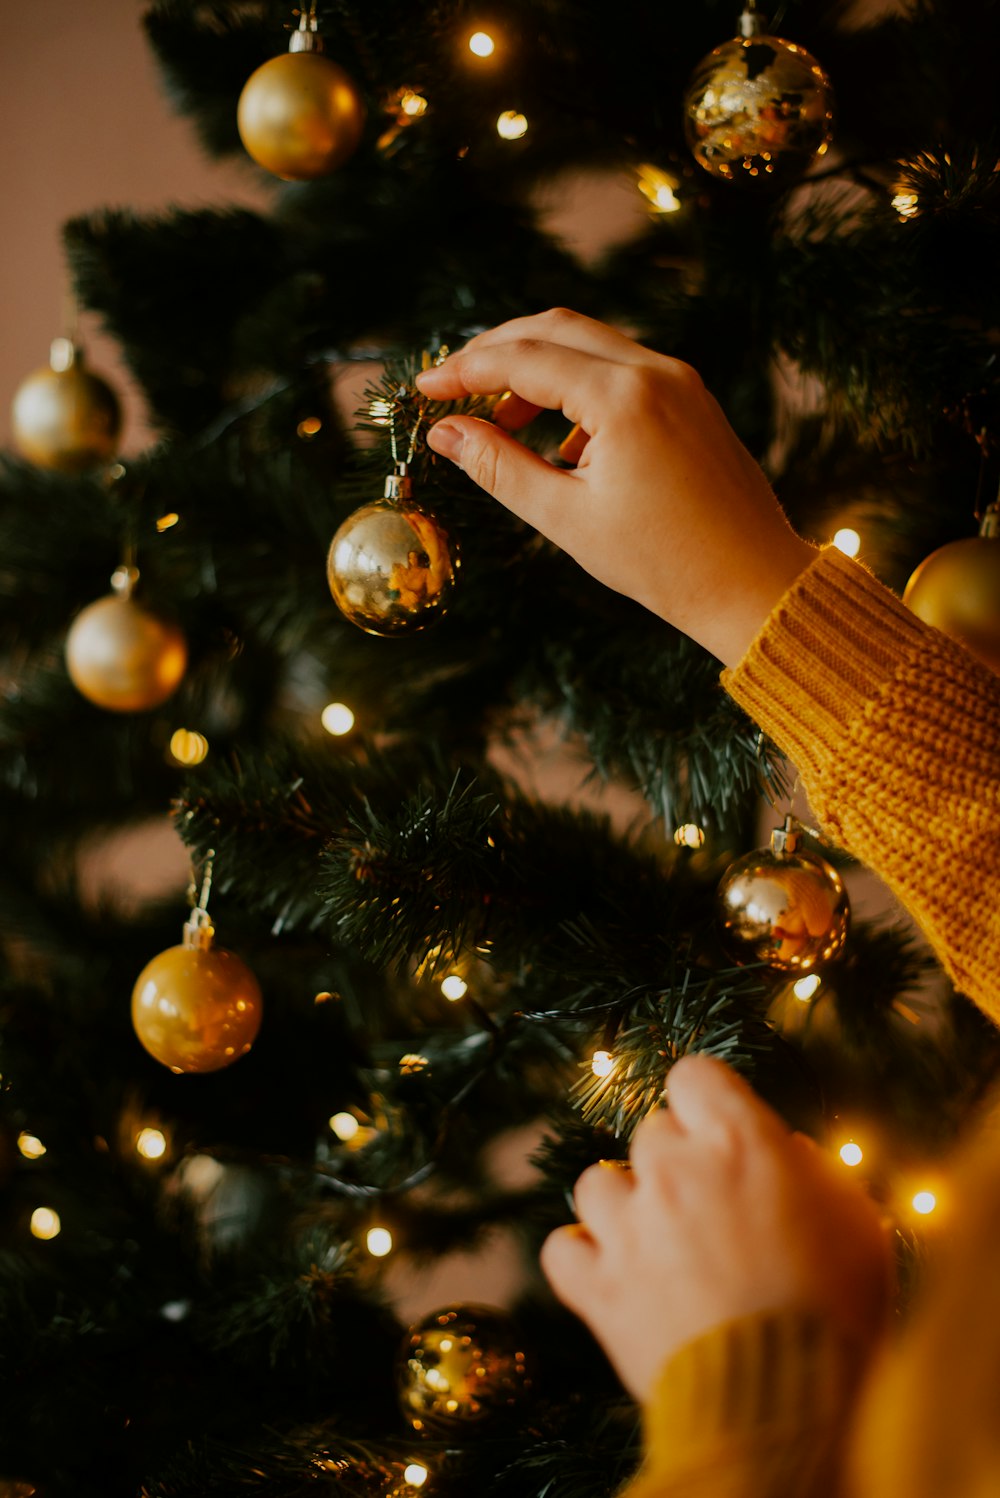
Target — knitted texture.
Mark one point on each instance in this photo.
(895, 731)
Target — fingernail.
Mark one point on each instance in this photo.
(447, 439)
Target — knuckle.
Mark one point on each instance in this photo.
(558, 317)
(684, 375)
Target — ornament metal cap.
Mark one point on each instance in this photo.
(199, 932)
(990, 524)
(307, 37)
(786, 839)
(399, 485)
(63, 354)
(751, 23)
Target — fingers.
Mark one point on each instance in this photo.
(599, 1196)
(543, 374)
(518, 478)
(571, 330)
(569, 1260)
(707, 1101)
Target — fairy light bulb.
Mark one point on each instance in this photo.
(167, 522)
(602, 1063)
(337, 718)
(690, 835)
(151, 1144)
(658, 189)
(188, 747)
(345, 1126)
(379, 1242)
(412, 104)
(804, 988)
(31, 1147)
(511, 125)
(851, 1153)
(848, 541)
(308, 428)
(481, 44)
(453, 987)
(924, 1202)
(45, 1224)
(415, 1474)
(906, 204)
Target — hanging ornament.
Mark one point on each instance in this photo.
(783, 906)
(461, 1367)
(957, 589)
(197, 1007)
(300, 115)
(65, 417)
(121, 655)
(758, 107)
(391, 565)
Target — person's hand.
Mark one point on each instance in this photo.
(724, 1213)
(664, 505)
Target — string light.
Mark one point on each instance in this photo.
(851, 1153)
(151, 1144)
(804, 988)
(415, 1474)
(30, 1147)
(412, 104)
(924, 1202)
(658, 189)
(481, 44)
(166, 521)
(309, 428)
(690, 835)
(45, 1224)
(337, 718)
(602, 1063)
(906, 204)
(511, 125)
(453, 987)
(188, 747)
(345, 1126)
(848, 541)
(379, 1242)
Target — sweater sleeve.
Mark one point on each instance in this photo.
(895, 731)
(756, 1408)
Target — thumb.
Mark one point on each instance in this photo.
(498, 463)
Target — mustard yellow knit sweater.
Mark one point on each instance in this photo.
(895, 731)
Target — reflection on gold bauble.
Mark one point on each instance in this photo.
(785, 908)
(758, 109)
(124, 657)
(300, 116)
(957, 589)
(391, 566)
(196, 1010)
(461, 1367)
(64, 417)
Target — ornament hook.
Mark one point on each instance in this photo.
(198, 928)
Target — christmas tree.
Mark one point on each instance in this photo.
(414, 997)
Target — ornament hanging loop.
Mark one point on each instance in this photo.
(198, 928)
(751, 22)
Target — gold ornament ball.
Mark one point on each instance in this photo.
(196, 1010)
(957, 589)
(391, 568)
(790, 911)
(300, 116)
(461, 1367)
(66, 419)
(123, 657)
(758, 109)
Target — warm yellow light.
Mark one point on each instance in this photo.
(848, 541)
(379, 1242)
(851, 1153)
(166, 521)
(337, 718)
(658, 189)
(380, 412)
(906, 204)
(511, 125)
(804, 988)
(412, 1063)
(151, 1144)
(188, 747)
(309, 428)
(412, 104)
(481, 44)
(690, 836)
(344, 1125)
(453, 987)
(30, 1147)
(924, 1202)
(45, 1223)
(415, 1474)
(602, 1063)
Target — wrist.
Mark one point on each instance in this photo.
(729, 631)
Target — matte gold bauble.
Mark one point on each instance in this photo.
(123, 657)
(461, 1367)
(758, 108)
(957, 589)
(300, 115)
(196, 1009)
(64, 417)
(391, 566)
(783, 906)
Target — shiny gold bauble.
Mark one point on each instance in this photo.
(391, 568)
(300, 116)
(66, 419)
(461, 1367)
(957, 589)
(124, 657)
(196, 1010)
(758, 109)
(790, 911)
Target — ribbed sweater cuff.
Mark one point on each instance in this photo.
(834, 638)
